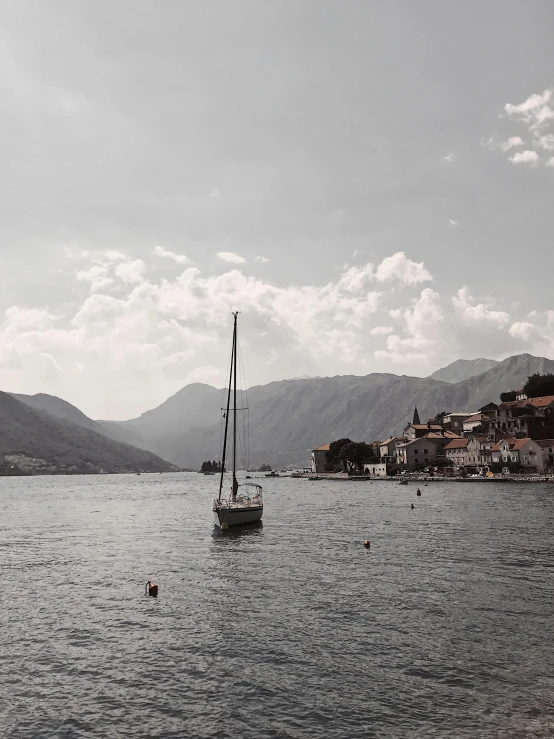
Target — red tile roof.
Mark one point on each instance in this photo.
(456, 444)
(322, 448)
(542, 402)
(545, 443)
(518, 444)
(475, 417)
(514, 444)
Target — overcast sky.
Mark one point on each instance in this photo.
(369, 183)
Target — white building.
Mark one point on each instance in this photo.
(319, 459)
(377, 469)
(526, 452)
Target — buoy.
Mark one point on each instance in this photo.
(418, 492)
(413, 506)
(151, 589)
(367, 544)
(224, 526)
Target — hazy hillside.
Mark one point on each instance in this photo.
(463, 369)
(36, 433)
(510, 374)
(194, 405)
(291, 417)
(62, 409)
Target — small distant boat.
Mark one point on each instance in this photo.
(272, 474)
(403, 482)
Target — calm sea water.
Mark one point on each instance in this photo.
(442, 629)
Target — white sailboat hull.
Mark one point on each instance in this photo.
(236, 514)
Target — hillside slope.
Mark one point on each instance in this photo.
(62, 409)
(463, 369)
(36, 433)
(511, 374)
(291, 417)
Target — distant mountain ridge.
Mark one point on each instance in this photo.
(288, 418)
(35, 433)
(463, 369)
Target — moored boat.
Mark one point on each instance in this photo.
(245, 503)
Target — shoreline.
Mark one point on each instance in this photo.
(436, 478)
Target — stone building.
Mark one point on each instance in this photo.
(527, 418)
(319, 459)
(526, 452)
(412, 454)
(547, 446)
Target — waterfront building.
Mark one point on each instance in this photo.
(547, 446)
(319, 459)
(413, 454)
(456, 452)
(526, 452)
(526, 418)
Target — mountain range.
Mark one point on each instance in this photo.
(50, 429)
(288, 418)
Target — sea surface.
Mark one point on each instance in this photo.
(443, 628)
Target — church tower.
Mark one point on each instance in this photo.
(416, 417)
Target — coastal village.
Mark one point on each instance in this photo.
(513, 437)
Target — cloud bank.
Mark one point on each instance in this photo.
(132, 338)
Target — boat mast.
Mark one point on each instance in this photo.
(235, 483)
(227, 411)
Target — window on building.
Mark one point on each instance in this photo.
(425, 451)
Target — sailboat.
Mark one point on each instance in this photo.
(244, 503)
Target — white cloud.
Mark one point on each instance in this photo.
(477, 313)
(524, 330)
(230, 257)
(131, 272)
(546, 142)
(381, 330)
(159, 251)
(534, 111)
(114, 256)
(511, 143)
(96, 276)
(262, 260)
(524, 157)
(422, 324)
(550, 162)
(537, 116)
(453, 223)
(399, 267)
(448, 158)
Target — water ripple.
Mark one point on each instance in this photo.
(289, 629)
